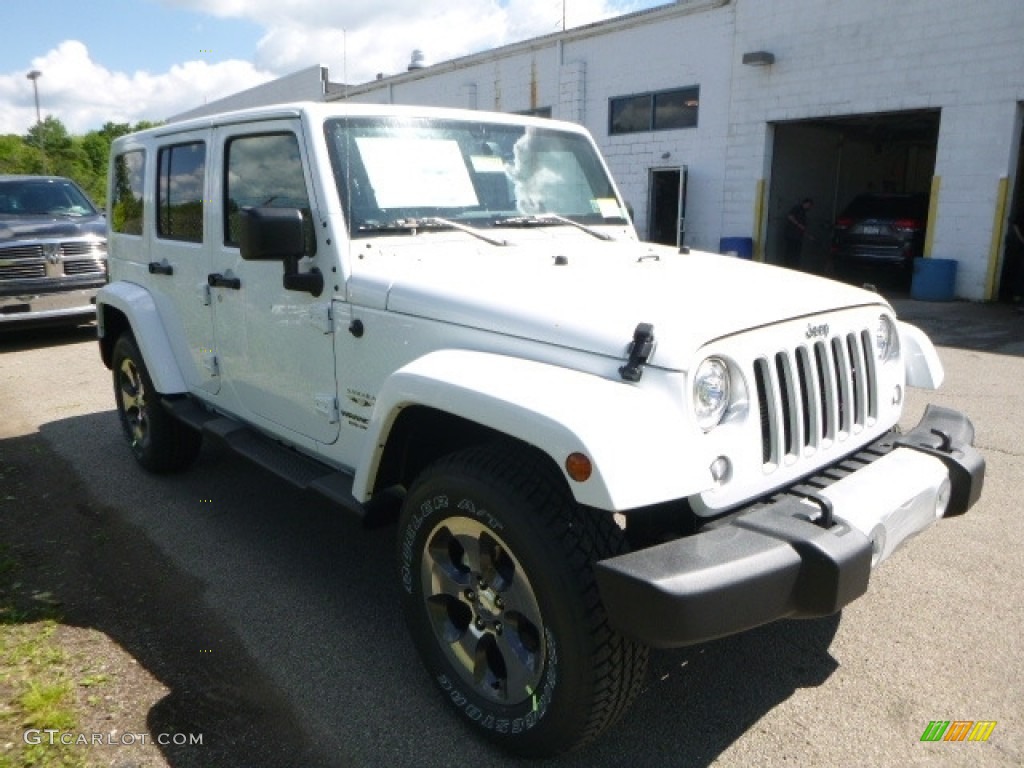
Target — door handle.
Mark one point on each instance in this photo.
(217, 280)
(160, 268)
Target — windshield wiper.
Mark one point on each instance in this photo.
(429, 222)
(547, 220)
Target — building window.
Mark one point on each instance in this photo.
(658, 111)
(179, 193)
(126, 197)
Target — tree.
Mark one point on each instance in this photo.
(48, 148)
(16, 156)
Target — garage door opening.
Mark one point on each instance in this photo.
(1011, 283)
(834, 161)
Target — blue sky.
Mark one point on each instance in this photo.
(127, 60)
(124, 35)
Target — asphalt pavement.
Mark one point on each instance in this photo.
(313, 598)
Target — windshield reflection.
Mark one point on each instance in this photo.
(395, 173)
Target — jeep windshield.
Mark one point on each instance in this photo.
(401, 175)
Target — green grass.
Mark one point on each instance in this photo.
(35, 688)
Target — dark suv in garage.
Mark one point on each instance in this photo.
(882, 233)
(53, 251)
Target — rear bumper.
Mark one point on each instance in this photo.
(807, 552)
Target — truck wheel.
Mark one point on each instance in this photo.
(496, 563)
(159, 442)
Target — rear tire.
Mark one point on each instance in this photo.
(159, 442)
(496, 563)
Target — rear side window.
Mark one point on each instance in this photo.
(126, 196)
(179, 194)
(265, 171)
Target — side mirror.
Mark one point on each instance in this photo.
(271, 234)
(276, 234)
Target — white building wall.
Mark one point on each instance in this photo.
(834, 59)
(576, 74)
(678, 52)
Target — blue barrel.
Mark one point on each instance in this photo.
(740, 246)
(934, 280)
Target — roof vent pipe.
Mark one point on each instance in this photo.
(417, 60)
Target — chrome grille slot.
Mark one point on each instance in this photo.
(808, 397)
(21, 269)
(761, 378)
(826, 396)
(22, 252)
(814, 395)
(79, 248)
(870, 374)
(83, 266)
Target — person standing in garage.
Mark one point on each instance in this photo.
(795, 231)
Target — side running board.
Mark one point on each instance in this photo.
(301, 471)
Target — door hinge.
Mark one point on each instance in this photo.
(211, 364)
(327, 406)
(320, 317)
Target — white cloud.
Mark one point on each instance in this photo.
(356, 39)
(359, 38)
(84, 95)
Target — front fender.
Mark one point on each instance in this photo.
(139, 309)
(924, 368)
(633, 434)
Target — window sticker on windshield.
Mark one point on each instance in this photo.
(608, 207)
(416, 173)
(487, 164)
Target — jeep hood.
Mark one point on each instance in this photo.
(595, 300)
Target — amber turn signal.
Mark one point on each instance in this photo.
(578, 467)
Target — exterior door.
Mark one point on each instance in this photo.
(276, 346)
(181, 257)
(667, 209)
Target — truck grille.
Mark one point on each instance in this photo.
(29, 261)
(815, 395)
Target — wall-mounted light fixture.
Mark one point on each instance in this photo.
(759, 58)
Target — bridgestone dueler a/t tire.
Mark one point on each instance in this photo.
(496, 565)
(159, 442)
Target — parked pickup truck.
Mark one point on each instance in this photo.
(591, 445)
(53, 252)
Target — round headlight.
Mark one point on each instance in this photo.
(710, 392)
(887, 339)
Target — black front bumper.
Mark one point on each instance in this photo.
(773, 560)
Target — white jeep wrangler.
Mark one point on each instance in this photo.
(592, 445)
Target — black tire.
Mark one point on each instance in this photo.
(496, 563)
(159, 442)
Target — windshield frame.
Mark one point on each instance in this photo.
(477, 173)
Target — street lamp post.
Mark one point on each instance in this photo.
(34, 76)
